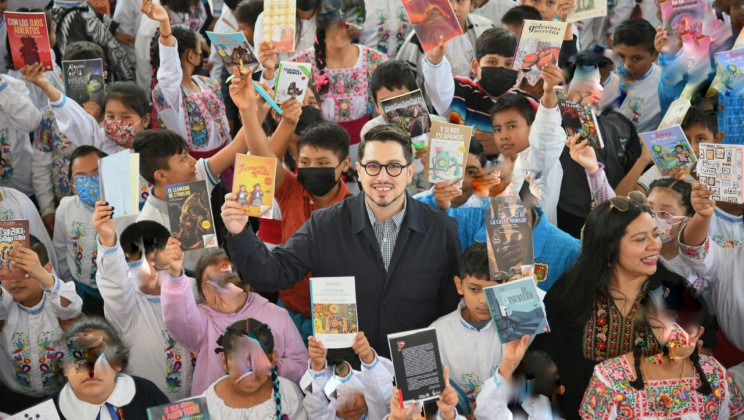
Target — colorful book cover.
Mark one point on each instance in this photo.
(291, 81)
(539, 45)
(43, 411)
(448, 152)
(334, 307)
(101, 6)
(84, 80)
(683, 17)
(587, 9)
(13, 234)
(254, 184)
(731, 65)
(516, 309)
(419, 374)
(580, 119)
(190, 214)
(194, 408)
(670, 149)
(409, 112)
(29, 39)
(119, 174)
(510, 249)
(720, 169)
(675, 114)
(279, 24)
(235, 50)
(433, 20)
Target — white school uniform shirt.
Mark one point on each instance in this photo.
(641, 105)
(495, 9)
(29, 336)
(726, 230)
(306, 29)
(15, 205)
(75, 241)
(128, 16)
(38, 97)
(227, 23)
(153, 353)
(385, 19)
(291, 404)
(18, 117)
(492, 403)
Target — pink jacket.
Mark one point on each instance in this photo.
(197, 327)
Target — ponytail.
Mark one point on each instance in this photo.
(704, 387)
(320, 59)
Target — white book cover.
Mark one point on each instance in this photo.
(335, 321)
(291, 81)
(720, 170)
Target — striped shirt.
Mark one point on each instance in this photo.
(386, 231)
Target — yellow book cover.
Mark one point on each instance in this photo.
(254, 184)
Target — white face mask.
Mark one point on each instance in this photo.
(666, 223)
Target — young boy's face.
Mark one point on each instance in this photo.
(462, 10)
(27, 292)
(247, 30)
(472, 168)
(636, 59)
(471, 290)
(384, 93)
(547, 8)
(181, 168)
(699, 133)
(511, 132)
(85, 165)
(490, 60)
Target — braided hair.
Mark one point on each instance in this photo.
(262, 333)
(331, 12)
(638, 383)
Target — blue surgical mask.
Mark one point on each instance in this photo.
(622, 71)
(88, 189)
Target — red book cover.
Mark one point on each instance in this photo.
(101, 6)
(29, 39)
(13, 234)
(433, 20)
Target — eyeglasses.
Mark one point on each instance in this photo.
(622, 203)
(392, 169)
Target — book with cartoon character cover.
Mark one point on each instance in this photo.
(448, 152)
(683, 17)
(670, 149)
(119, 175)
(254, 183)
(194, 408)
(408, 112)
(291, 81)
(190, 215)
(279, 24)
(334, 311)
(84, 80)
(509, 243)
(434, 21)
(580, 119)
(13, 234)
(539, 45)
(29, 39)
(235, 50)
(516, 309)
(720, 170)
(587, 9)
(417, 364)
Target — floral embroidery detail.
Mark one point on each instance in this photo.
(84, 246)
(696, 252)
(725, 242)
(48, 139)
(34, 367)
(174, 360)
(6, 159)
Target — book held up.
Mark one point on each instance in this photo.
(291, 81)
(720, 169)
(516, 309)
(539, 45)
(119, 174)
(670, 149)
(408, 112)
(234, 50)
(13, 234)
(419, 374)
(448, 152)
(84, 80)
(334, 311)
(279, 24)
(29, 39)
(509, 242)
(254, 183)
(434, 21)
(190, 215)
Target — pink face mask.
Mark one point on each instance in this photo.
(121, 131)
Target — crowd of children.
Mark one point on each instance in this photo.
(638, 272)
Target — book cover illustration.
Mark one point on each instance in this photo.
(580, 119)
(720, 169)
(587, 9)
(190, 215)
(670, 149)
(13, 234)
(419, 374)
(510, 248)
(516, 309)
(675, 114)
(194, 408)
(683, 17)
(43, 411)
(718, 83)
(254, 184)
(408, 112)
(279, 24)
(29, 39)
(731, 65)
(291, 81)
(434, 21)
(84, 80)
(539, 45)
(235, 50)
(101, 6)
(334, 311)
(448, 152)
(119, 175)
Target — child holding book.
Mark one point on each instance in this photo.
(15, 205)
(31, 310)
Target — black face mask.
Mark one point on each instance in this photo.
(317, 181)
(306, 5)
(497, 80)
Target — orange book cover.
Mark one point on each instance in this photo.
(254, 184)
(101, 6)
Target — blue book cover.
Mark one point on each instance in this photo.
(119, 175)
(511, 252)
(516, 309)
(235, 50)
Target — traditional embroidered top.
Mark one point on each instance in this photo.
(610, 395)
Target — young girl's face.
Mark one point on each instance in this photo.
(248, 366)
(247, 30)
(117, 111)
(670, 212)
(93, 385)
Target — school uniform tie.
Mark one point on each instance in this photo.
(112, 412)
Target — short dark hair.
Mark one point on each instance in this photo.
(699, 116)
(495, 41)
(476, 148)
(385, 133)
(474, 262)
(84, 50)
(592, 59)
(328, 136)
(231, 4)
(130, 95)
(186, 40)
(155, 147)
(393, 74)
(635, 32)
(40, 249)
(309, 117)
(517, 14)
(516, 102)
(82, 151)
(247, 12)
(152, 234)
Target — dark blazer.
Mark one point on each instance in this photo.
(340, 241)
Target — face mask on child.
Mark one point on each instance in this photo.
(121, 131)
(497, 80)
(88, 189)
(622, 71)
(666, 223)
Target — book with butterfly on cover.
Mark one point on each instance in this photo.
(194, 408)
(291, 81)
(254, 182)
(581, 119)
(434, 21)
(721, 169)
(587, 9)
(29, 39)
(670, 149)
(84, 80)
(334, 311)
(234, 50)
(509, 242)
(13, 234)
(408, 112)
(539, 45)
(516, 309)
(190, 215)
(279, 22)
(448, 152)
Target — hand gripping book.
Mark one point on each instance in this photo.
(670, 149)
(334, 311)
(190, 214)
(448, 152)
(408, 112)
(119, 174)
(509, 243)
(539, 45)
(29, 39)
(254, 183)
(13, 234)
(291, 81)
(434, 21)
(516, 309)
(587, 9)
(720, 169)
(578, 118)
(417, 363)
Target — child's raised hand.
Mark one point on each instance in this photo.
(513, 355)
(679, 173)
(552, 76)
(564, 6)
(447, 399)
(444, 192)
(291, 112)
(362, 349)
(241, 91)
(267, 56)
(582, 153)
(701, 202)
(233, 215)
(154, 11)
(173, 256)
(34, 73)
(317, 353)
(103, 221)
(436, 54)
(665, 43)
(93, 109)
(398, 410)
(27, 260)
